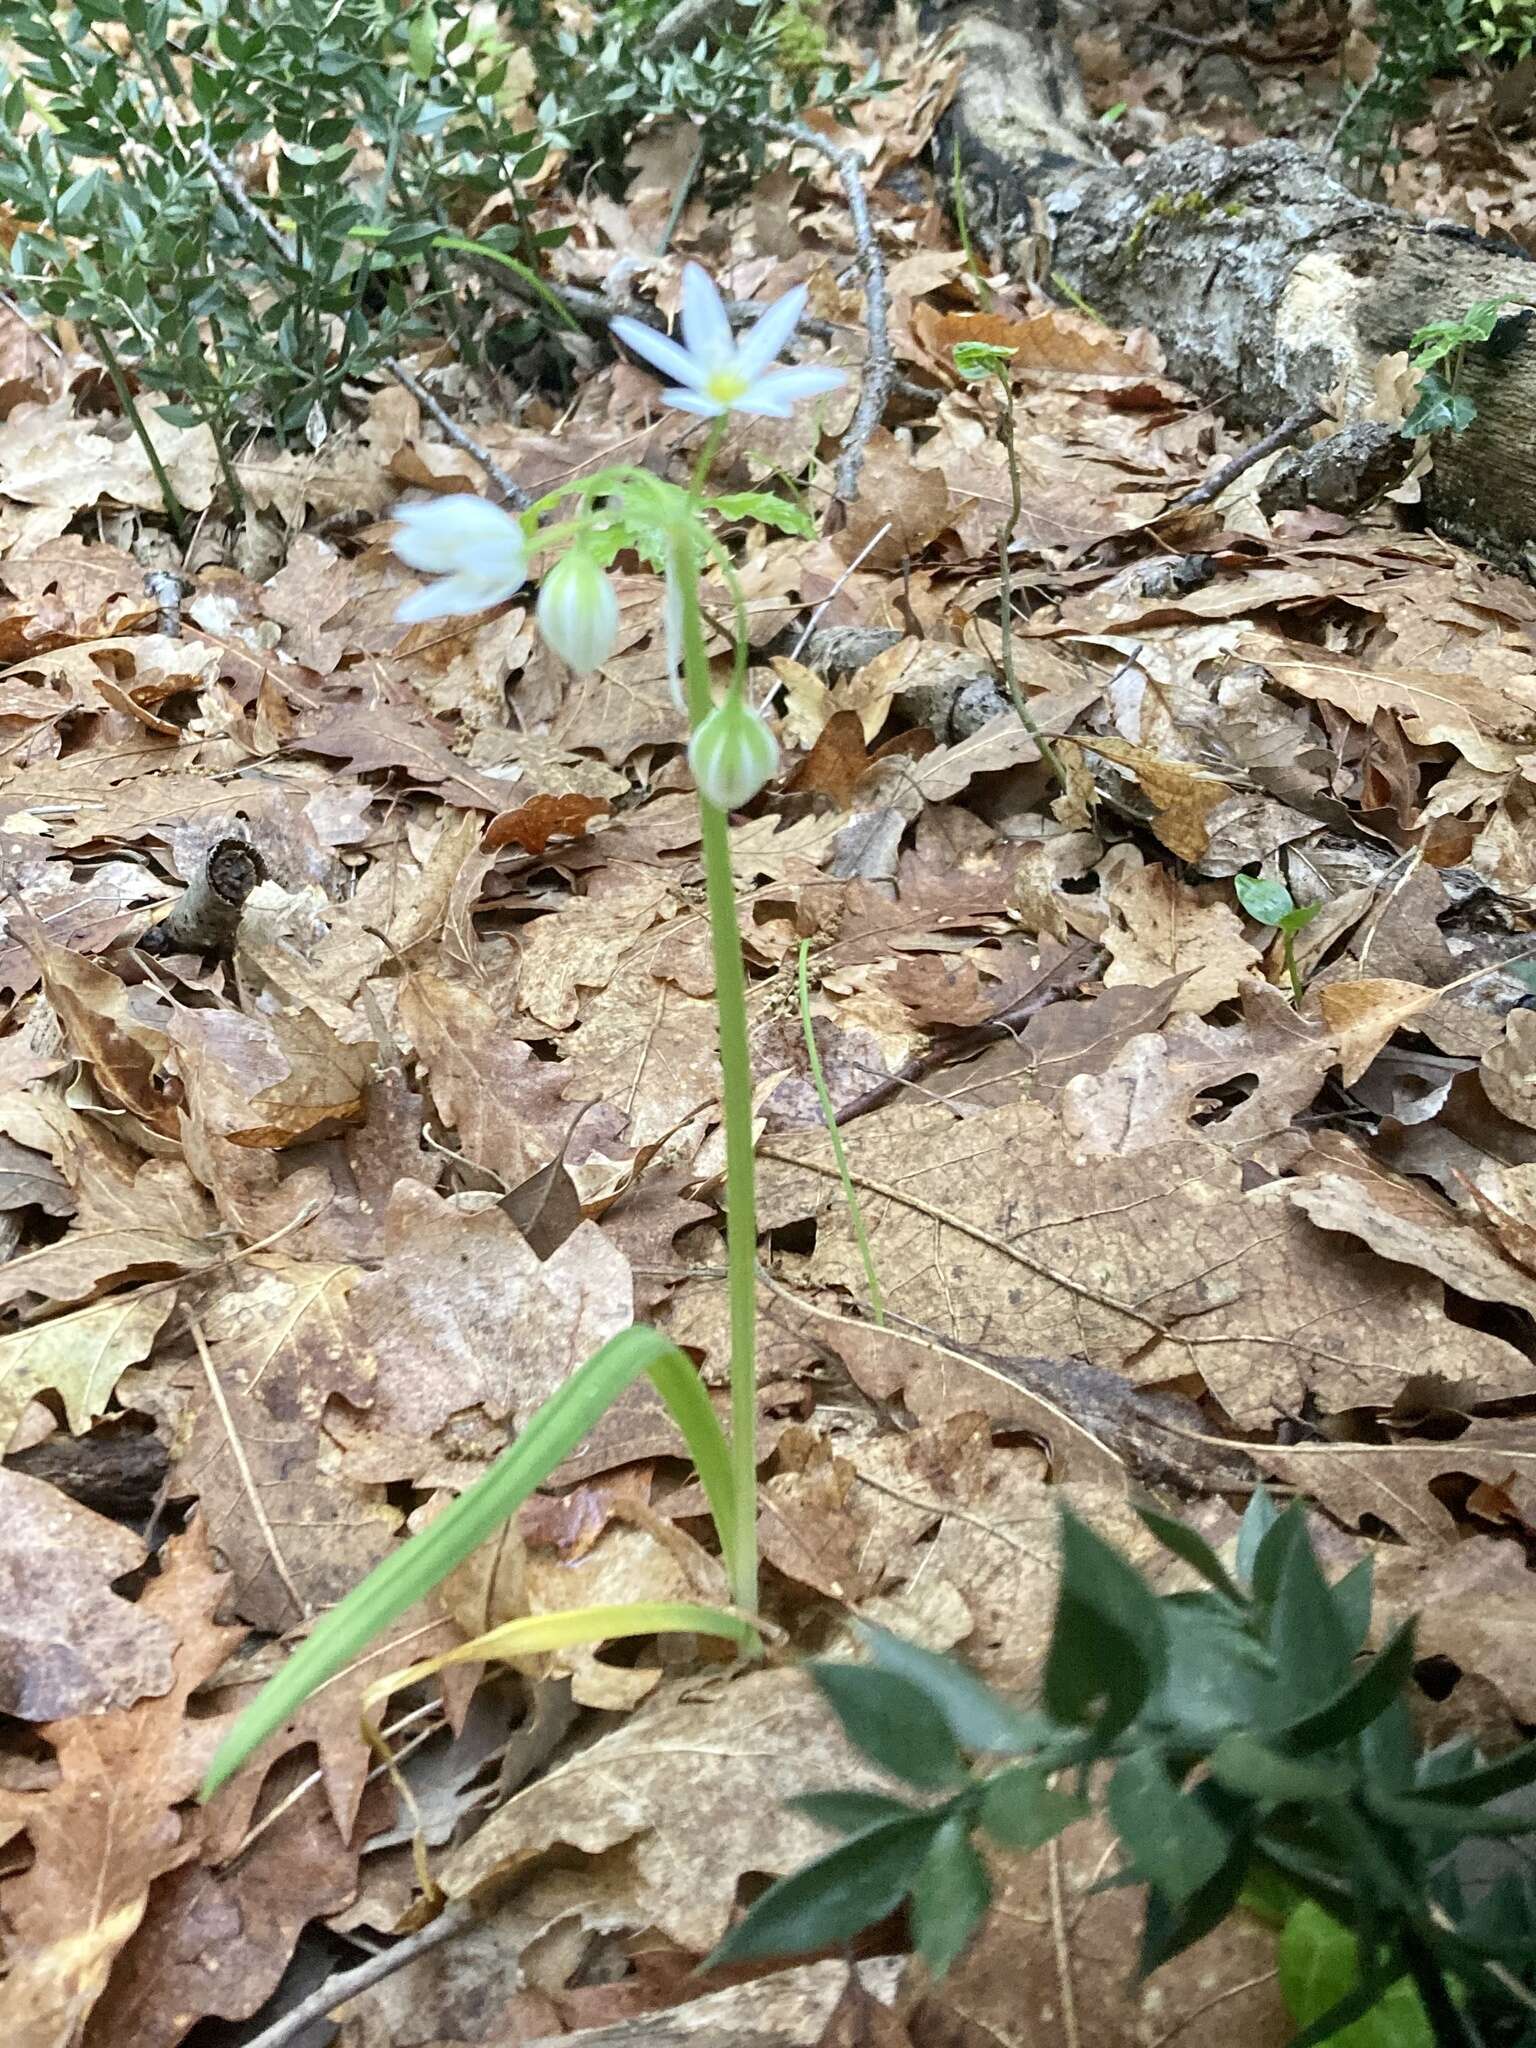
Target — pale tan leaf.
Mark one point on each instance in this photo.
(1363, 1015)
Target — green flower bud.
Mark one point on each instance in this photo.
(579, 611)
(978, 360)
(732, 754)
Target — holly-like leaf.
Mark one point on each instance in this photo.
(1022, 1809)
(838, 1895)
(893, 1721)
(848, 1813)
(978, 1719)
(950, 1897)
(1109, 1645)
(1175, 1843)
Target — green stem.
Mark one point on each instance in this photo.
(829, 1115)
(735, 1074)
(736, 1088)
(1288, 942)
(174, 510)
(1048, 753)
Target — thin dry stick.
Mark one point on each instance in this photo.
(686, 19)
(1204, 494)
(811, 623)
(234, 191)
(879, 363)
(348, 1983)
(1059, 1943)
(247, 1477)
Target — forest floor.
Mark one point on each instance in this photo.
(299, 1235)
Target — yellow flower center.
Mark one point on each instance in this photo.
(726, 384)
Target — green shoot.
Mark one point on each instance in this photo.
(1271, 903)
(426, 1559)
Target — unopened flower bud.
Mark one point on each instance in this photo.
(733, 754)
(579, 611)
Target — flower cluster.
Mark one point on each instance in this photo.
(480, 553)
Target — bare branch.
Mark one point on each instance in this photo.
(348, 1983)
(1205, 494)
(879, 363)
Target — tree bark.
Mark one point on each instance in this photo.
(1268, 282)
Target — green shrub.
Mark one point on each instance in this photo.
(1246, 1752)
(381, 132)
(1419, 40)
(747, 68)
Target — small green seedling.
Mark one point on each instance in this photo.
(1272, 903)
(1439, 353)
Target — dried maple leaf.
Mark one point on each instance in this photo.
(1363, 1015)
(471, 1333)
(1509, 1070)
(69, 1644)
(214, 1942)
(1395, 1483)
(691, 1790)
(1183, 796)
(1418, 1229)
(508, 1110)
(108, 1827)
(101, 1026)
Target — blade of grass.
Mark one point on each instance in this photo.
(426, 1559)
(829, 1114)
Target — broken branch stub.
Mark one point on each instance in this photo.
(207, 915)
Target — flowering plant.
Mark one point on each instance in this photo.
(480, 556)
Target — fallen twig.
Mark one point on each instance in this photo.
(879, 363)
(1204, 494)
(348, 1983)
(207, 917)
(234, 191)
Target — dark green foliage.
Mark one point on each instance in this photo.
(752, 65)
(1256, 1753)
(1418, 41)
(382, 130)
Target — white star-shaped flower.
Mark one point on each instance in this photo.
(479, 551)
(716, 373)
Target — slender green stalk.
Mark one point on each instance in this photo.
(736, 1092)
(174, 510)
(1289, 949)
(829, 1114)
(1048, 753)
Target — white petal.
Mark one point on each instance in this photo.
(783, 388)
(695, 401)
(442, 533)
(769, 332)
(455, 597)
(658, 351)
(706, 324)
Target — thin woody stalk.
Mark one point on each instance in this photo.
(1048, 753)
